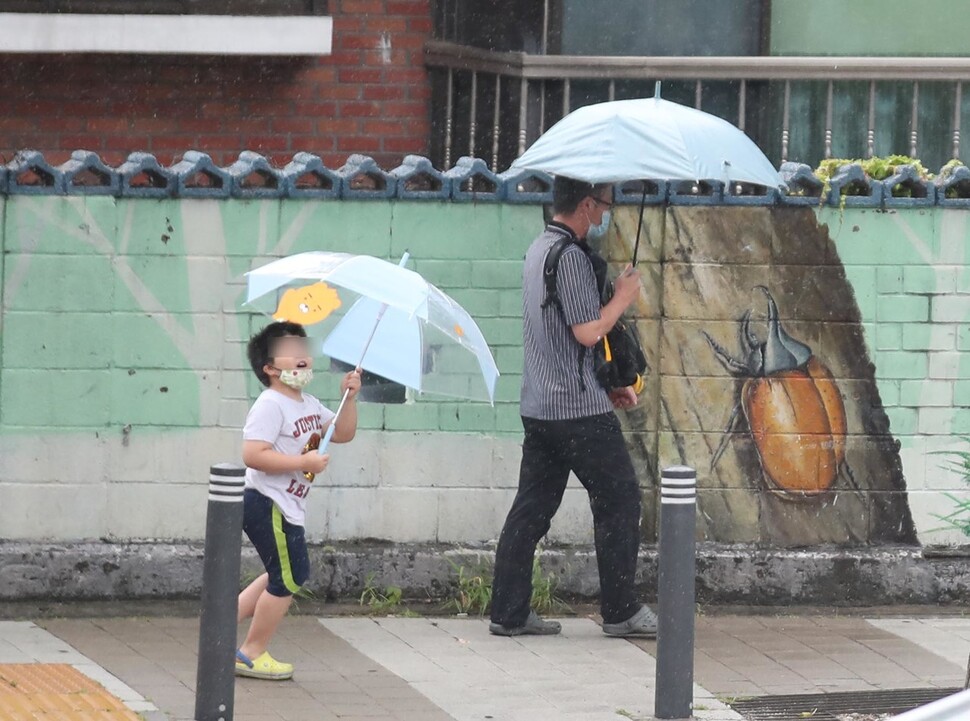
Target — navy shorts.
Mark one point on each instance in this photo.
(281, 545)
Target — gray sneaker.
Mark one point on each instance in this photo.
(533, 626)
(642, 624)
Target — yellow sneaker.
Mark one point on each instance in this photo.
(263, 666)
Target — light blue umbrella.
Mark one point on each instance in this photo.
(648, 139)
(379, 317)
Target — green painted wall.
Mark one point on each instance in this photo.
(122, 366)
(123, 306)
(911, 275)
(869, 27)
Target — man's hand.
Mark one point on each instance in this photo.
(351, 382)
(626, 290)
(313, 462)
(623, 397)
(626, 287)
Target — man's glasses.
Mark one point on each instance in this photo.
(602, 202)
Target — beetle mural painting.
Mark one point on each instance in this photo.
(793, 408)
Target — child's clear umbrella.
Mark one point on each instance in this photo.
(379, 317)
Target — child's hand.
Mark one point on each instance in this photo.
(313, 462)
(351, 382)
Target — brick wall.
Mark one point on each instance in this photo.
(370, 96)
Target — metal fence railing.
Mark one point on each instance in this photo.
(494, 104)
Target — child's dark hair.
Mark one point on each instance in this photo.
(260, 348)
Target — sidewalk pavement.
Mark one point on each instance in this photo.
(451, 669)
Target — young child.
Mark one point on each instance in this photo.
(280, 441)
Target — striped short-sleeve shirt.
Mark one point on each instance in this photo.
(558, 382)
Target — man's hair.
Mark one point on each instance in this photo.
(567, 193)
(261, 346)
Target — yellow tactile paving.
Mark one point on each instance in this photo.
(56, 692)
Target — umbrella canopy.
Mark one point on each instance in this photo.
(648, 138)
(380, 317)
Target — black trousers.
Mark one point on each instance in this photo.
(594, 450)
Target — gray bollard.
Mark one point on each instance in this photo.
(675, 627)
(215, 679)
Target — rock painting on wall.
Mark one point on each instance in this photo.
(761, 379)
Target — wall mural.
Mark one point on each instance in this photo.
(792, 407)
(764, 378)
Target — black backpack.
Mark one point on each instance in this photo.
(618, 358)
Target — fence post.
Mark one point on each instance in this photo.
(675, 628)
(215, 678)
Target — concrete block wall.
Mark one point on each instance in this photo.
(123, 375)
(910, 271)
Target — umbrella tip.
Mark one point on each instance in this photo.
(656, 90)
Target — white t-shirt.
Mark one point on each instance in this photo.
(292, 427)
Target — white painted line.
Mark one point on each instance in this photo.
(179, 34)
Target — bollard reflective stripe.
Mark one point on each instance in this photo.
(226, 491)
(227, 483)
(678, 486)
(674, 473)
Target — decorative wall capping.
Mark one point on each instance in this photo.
(143, 177)
(956, 182)
(804, 187)
(307, 177)
(526, 186)
(702, 192)
(85, 174)
(253, 177)
(748, 194)
(631, 192)
(853, 177)
(199, 177)
(907, 178)
(417, 179)
(30, 174)
(472, 180)
(362, 177)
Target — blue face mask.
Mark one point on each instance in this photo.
(598, 232)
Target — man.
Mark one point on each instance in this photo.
(570, 425)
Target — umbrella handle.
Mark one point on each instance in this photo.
(333, 423)
(327, 436)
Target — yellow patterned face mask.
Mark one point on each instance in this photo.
(297, 378)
